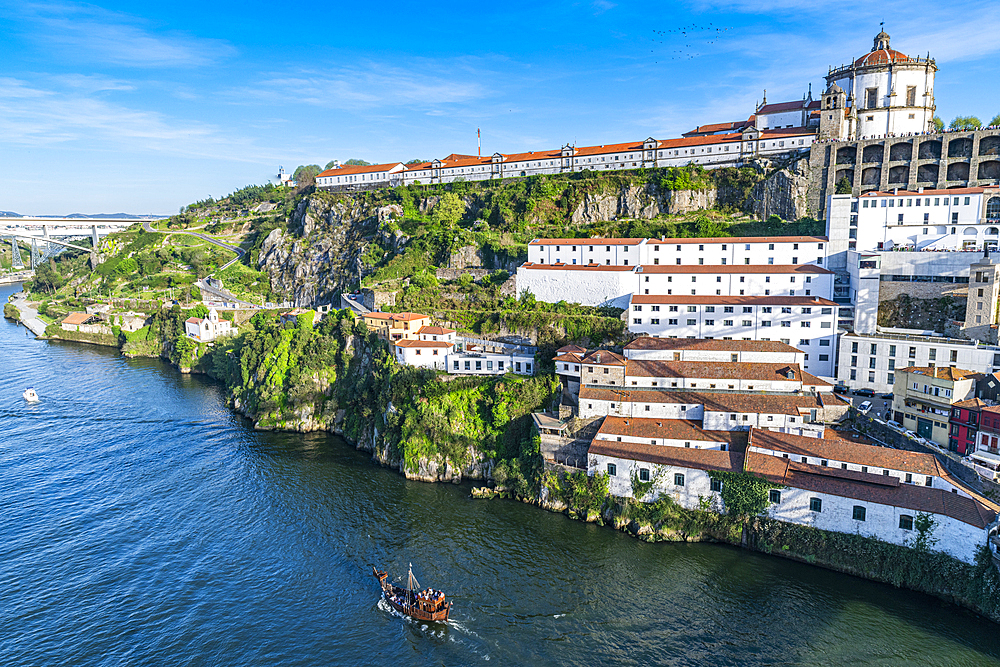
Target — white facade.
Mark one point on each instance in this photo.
(810, 494)
(807, 323)
(490, 363)
(423, 354)
(781, 250)
(933, 220)
(736, 280)
(676, 349)
(209, 328)
(872, 361)
(588, 286)
(376, 175)
(888, 93)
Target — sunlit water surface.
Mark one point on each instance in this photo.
(143, 523)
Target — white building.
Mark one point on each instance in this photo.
(490, 363)
(808, 323)
(207, 329)
(752, 250)
(934, 220)
(718, 410)
(714, 150)
(872, 361)
(824, 483)
(369, 176)
(708, 349)
(882, 93)
(423, 353)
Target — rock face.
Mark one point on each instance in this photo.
(642, 202)
(784, 192)
(321, 255)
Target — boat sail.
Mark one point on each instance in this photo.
(424, 605)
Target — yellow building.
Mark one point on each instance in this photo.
(396, 326)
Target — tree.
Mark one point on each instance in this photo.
(331, 164)
(938, 124)
(449, 209)
(421, 161)
(965, 123)
(996, 120)
(355, 162)
(306, 174)
(843, 186)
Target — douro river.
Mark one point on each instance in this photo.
(143, 523)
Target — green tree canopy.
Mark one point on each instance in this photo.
(965, 123)
(331, 164)
(306, 174)
(419, 161)
(938, 124)
(355, 162)
(449, 209)
(996, 120)
(843, 186)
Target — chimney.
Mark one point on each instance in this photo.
(895, 191)
(920, 189)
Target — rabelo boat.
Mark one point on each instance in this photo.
(423, 605)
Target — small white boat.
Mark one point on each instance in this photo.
(30, 395)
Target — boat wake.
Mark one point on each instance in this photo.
(454, 630)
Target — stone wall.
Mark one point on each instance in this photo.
(887, 291)
(934, 161)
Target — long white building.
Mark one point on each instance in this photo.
(712, 151)
(828, 484)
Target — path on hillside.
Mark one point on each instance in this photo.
(29, 316)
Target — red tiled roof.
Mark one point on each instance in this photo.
(732, 268)
(911, 193)
(749, 403)
(941, 372)
(875, 457)
(882, 57)
(605, 357)
(194, 320)
(421, 343)
(781, 107)
(586, 241)
(571, 348)
(575, 357)
(576, 267)
(78, 318)
(746, 239)
(699, 459)
(714, 345)
(670, 429)
(713, 370)
(350, 170)
(435, 331)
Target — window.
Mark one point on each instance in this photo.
(643, 474)
(612, 469)
(859, 513)
(774, 496)
(905, 522)
(815, 504)
(678, 479)
(716, 485)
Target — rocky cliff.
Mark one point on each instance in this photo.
(784, 190)
(321, 253)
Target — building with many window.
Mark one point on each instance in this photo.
(923, 398)
(830, 484)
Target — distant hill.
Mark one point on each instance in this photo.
(102, 215)
(9, 214)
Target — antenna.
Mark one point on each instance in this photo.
(479, 143)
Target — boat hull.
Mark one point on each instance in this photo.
(406, 602)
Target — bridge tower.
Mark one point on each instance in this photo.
(15, 254)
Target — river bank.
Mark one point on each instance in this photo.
(338, 378)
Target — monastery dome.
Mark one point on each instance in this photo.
(881, 54)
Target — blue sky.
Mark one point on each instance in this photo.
(121, 106)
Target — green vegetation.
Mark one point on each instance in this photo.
(744, 494)
(996, 121)
(843, 186)
(965, 123)
(938, 124)
(11, 312)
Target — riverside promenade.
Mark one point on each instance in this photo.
(29, 316)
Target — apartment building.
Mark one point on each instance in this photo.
(873, 361)
(708, 349)
(807, 323)
(923, 398)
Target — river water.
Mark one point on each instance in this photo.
(143, 523)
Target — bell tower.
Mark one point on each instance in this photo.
(833, 108)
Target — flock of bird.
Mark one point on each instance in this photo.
(697, 35)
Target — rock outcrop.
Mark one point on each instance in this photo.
(784, 192)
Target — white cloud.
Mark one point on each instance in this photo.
(89, 33)
(371, 85)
